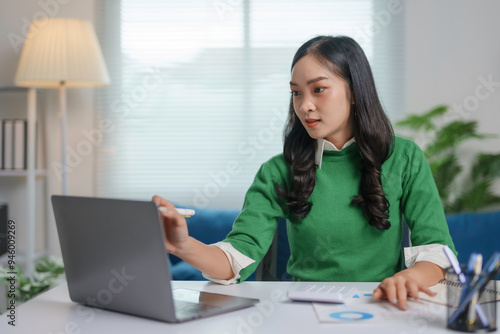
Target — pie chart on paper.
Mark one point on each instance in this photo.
(351, 316)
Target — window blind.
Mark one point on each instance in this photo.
(199, 89)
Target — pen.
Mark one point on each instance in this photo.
(183, 212)
(474, 269)
(489, 270)
(475, 263)
(475, 266)
(454, 264)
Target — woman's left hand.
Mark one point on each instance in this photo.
(409, 282)
(397, 288)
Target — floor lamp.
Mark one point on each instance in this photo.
(61, 53)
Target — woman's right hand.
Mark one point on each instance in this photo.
(175, 226)
(209, 259)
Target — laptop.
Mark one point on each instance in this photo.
(115, 259)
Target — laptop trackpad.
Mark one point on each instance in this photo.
(194, 304)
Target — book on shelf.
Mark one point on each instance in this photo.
(8, 144)
(20, 141)
(14, 144)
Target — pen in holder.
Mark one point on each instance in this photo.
(471, 306)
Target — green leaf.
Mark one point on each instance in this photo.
(47, 274)
(25, 287)
(451, 135)
(3, 274)
(422, 121)
(444, 140)
(444, 171)
(478, 196)
(486, 166)
(50, 264)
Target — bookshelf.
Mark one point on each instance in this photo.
(38, 172)
(22, 188)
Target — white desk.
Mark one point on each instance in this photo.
(54, 313)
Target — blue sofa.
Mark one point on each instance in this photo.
(471, 232)
(475, 232)
(209, 226)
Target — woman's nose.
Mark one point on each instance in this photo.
(307, 105)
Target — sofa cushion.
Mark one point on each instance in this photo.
(475, 232)
(209, 225)
(186, 272)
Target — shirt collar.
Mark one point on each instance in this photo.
(325, 145)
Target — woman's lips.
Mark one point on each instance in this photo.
(312, 122)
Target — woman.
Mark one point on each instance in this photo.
(343, 182)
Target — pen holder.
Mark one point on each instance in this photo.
(475, 315)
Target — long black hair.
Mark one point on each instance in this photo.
(372, 131)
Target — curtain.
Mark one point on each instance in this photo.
(199, 92)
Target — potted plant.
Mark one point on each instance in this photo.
(442, 150)
(48, 273)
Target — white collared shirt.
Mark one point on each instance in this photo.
(324, 145)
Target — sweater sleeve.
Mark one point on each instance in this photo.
(254, 228)
(421, 204)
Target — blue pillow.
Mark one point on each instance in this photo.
(475, 232)
(185, 272)
(209, 225)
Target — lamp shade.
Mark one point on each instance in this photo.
(61, 50)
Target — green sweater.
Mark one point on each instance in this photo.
(335, 242)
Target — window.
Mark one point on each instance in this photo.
(199, 92)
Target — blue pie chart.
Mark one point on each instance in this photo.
(351, 316)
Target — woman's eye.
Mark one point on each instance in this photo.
(295, 93)
(319, 89)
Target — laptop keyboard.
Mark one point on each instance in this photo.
(182, 307)
(190, 304)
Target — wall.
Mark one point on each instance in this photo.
(15, 17)
(451, 50)
(450, 46)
